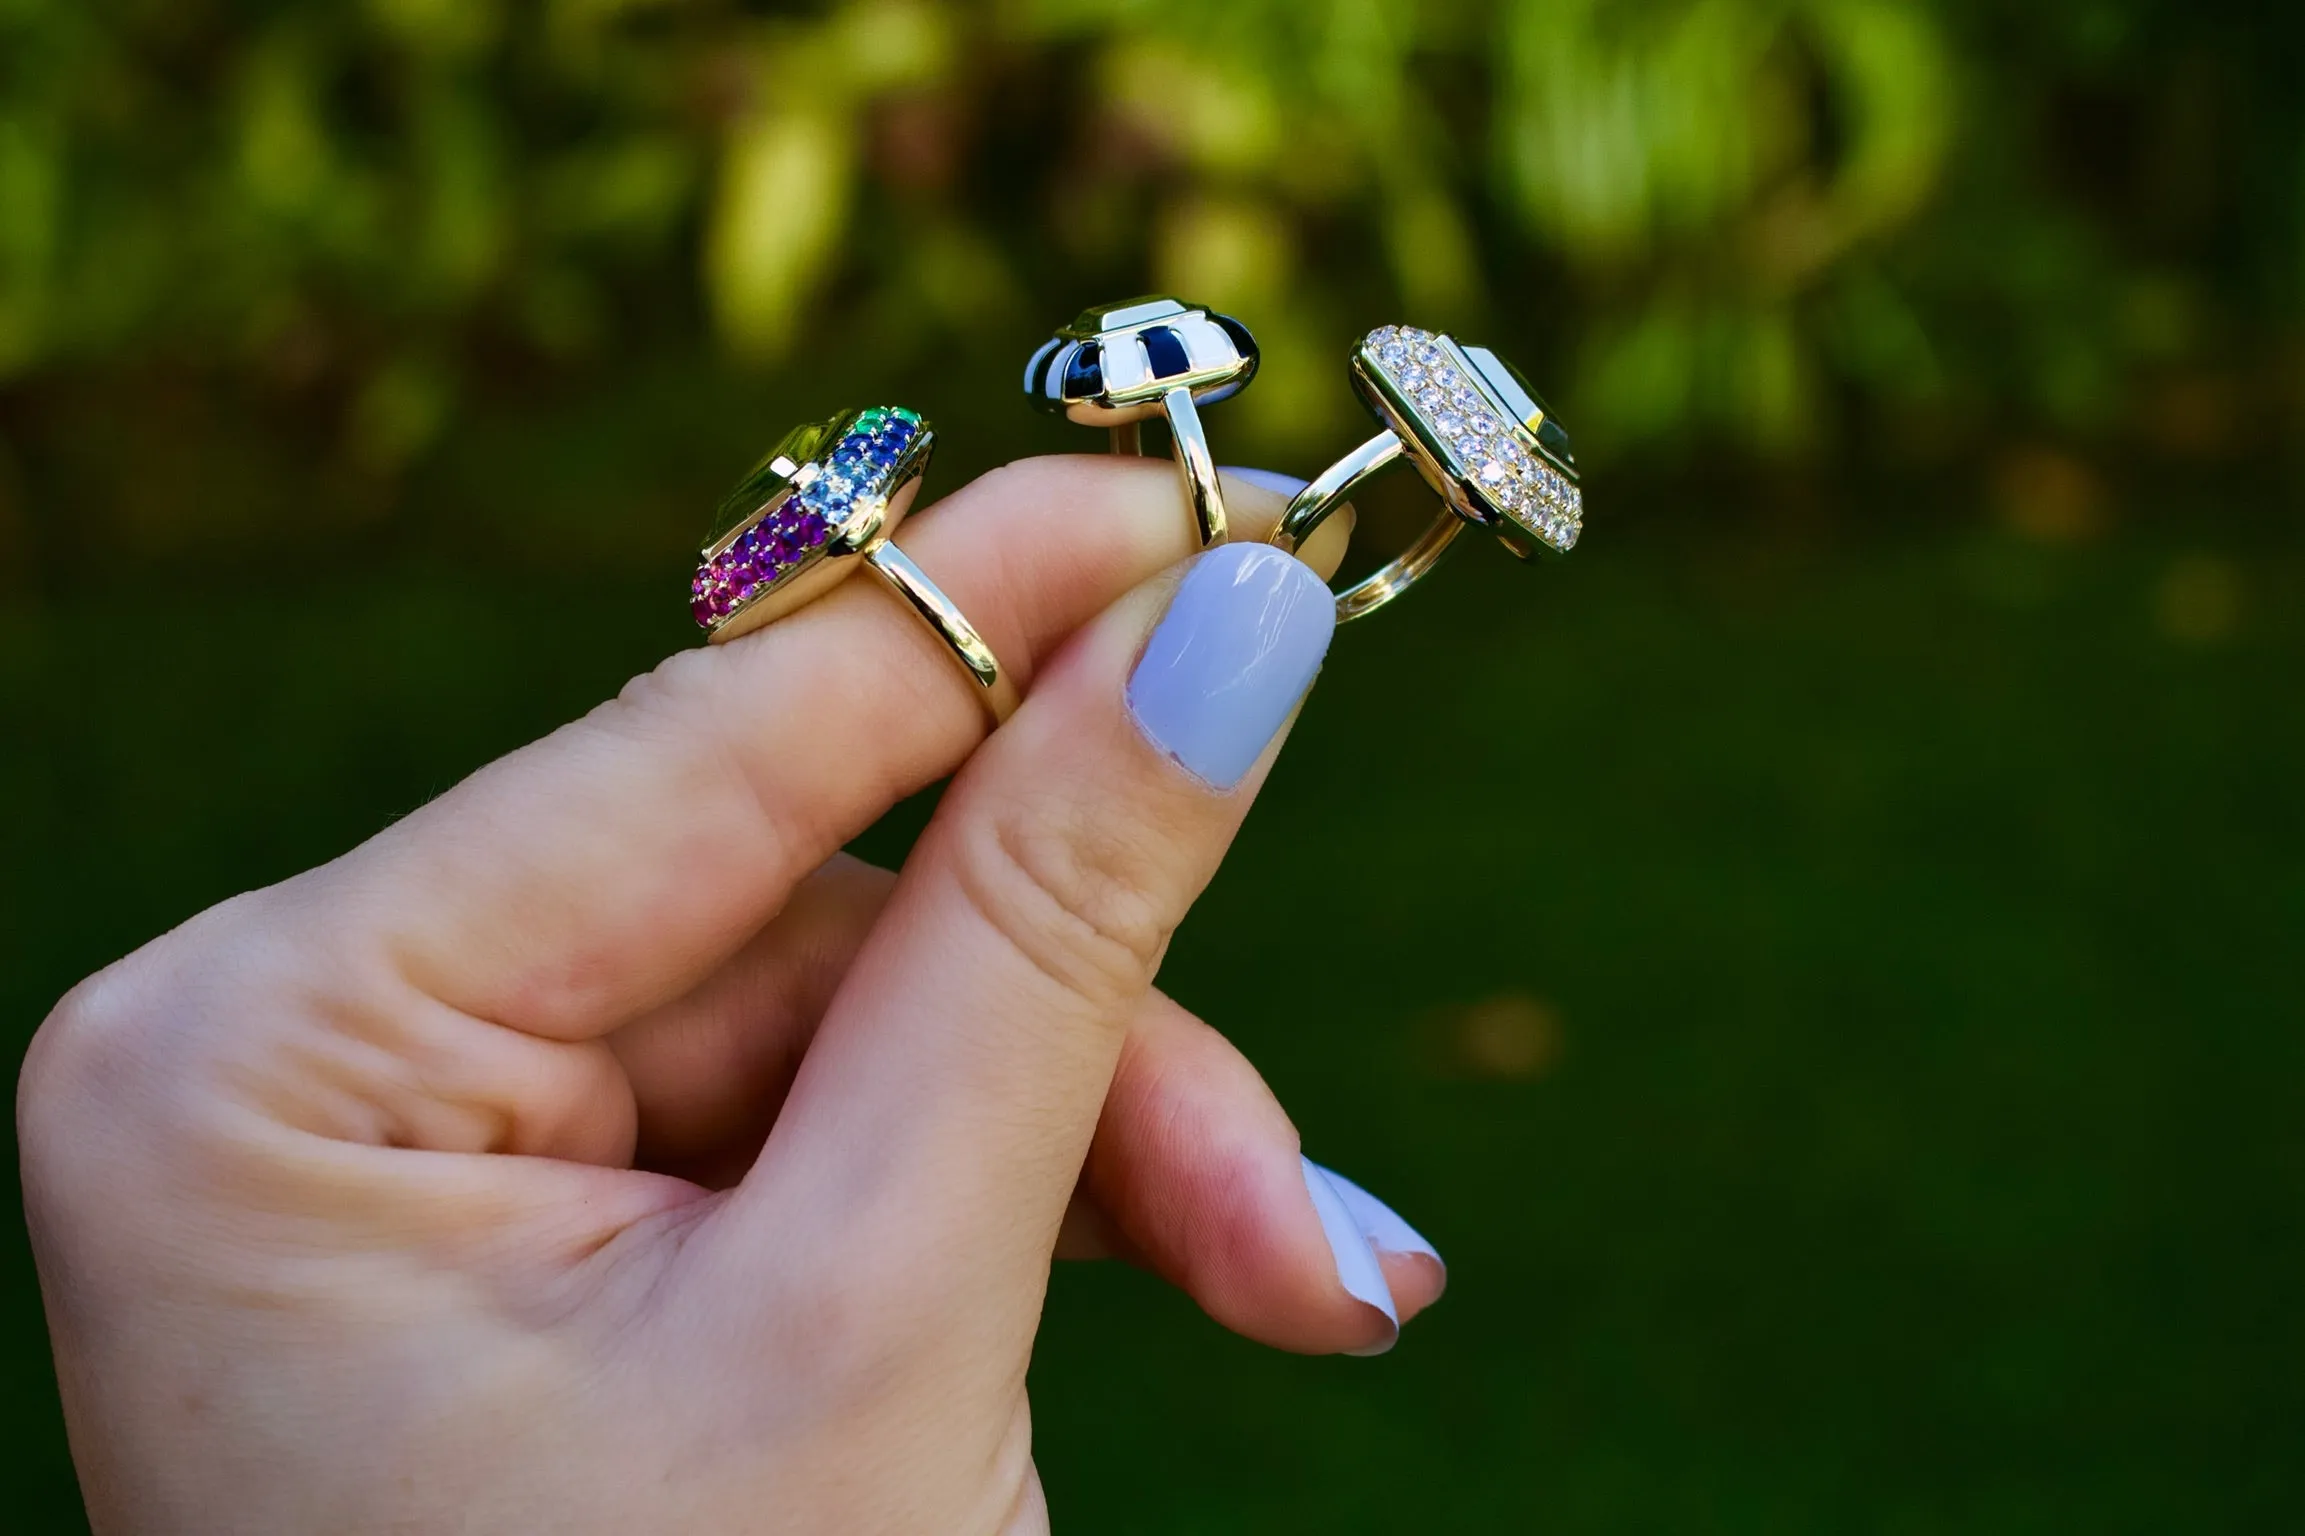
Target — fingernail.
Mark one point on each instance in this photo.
(1380, 1223)
(1238, 647)
(1352, 1220)
(1266, 479)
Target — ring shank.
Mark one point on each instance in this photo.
(1204, 494)
(1313, 506)
(994, 687)
(1197, 465)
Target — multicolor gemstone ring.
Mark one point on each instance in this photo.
(1119, 364)
(1477, 434)
(821, 505)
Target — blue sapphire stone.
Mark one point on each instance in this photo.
(1165, 350)
(1084, 372)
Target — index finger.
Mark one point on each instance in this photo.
(609, 866)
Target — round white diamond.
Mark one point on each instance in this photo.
(1394, 355)
(1449, 424)
(1431, 356)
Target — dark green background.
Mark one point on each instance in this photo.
(1820, 962)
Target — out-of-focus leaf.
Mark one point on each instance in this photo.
(1432, 254)
(963, 280)
(1771, 388)
(1889, 63)
(456, 28)
(1210, 114)
(777, 218)
(881, 44)
(465, 201)
(1234, 252)
(1615, 135)
(285, 157)
(1638, 379)
(398, 414)
(1873, 330)
(30, 207)
(629, 188)
(562, 311)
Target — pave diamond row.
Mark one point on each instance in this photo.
(793, 529)
(1492, 450)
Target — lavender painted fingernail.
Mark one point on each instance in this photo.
(1359, 1227)
(1238, 647)
(1265, 479)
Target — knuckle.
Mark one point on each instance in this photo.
(667, 693)
(113, 1069)
(1079, 895)
(83, 1072)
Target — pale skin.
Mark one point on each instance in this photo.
(597, 1149)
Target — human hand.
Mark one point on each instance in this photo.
(597, 1150)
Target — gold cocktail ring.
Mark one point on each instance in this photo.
(1118, 364)
(1478, 435)
(822, 504)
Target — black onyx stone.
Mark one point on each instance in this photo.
(1165, 350)
(1036, 379)
(1554, 439)
(1084, 372)
(1243, 342)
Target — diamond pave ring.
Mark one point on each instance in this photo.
(823, 503)
(1477, 434)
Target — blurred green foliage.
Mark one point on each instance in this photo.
(1763, 228)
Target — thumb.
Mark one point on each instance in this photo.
(938, 1125)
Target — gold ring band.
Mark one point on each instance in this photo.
(994, 687)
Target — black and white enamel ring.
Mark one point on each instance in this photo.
(1118, 364)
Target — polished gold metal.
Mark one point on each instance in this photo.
(806, 475)
(994, 686)
(1119, 364)
(1475, 432)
